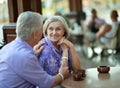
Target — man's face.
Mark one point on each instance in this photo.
(37, 36)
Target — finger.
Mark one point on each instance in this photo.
(39, 50)
(40, 43)
(37, 46)
(61, 41)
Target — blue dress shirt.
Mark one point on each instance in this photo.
(19, 67)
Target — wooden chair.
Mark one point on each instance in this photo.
(9, 33)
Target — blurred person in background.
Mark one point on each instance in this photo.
(109, 30)
(107, 35)
(92, 27)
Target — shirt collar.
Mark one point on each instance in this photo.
(20, 41)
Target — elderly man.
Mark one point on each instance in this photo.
(19, 66)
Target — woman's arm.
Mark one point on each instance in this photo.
(63, 74)
(75, 57)
(64, 55)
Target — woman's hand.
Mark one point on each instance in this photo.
(74, 55)
(64, 42)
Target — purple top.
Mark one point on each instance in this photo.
(50, 57)
(19, 67)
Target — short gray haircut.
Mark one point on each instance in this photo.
(27, 23)
(55, 19)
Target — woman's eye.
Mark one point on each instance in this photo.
(58, 29)
(50, 29)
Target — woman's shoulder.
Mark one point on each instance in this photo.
(47, 46)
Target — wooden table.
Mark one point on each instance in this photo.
(94, 79)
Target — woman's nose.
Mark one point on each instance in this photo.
(54, 31)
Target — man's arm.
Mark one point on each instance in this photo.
(63, 74)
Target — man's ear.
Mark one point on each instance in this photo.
(34, 35)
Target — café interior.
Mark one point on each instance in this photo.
(10, 9)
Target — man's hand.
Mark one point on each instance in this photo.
(38, 48)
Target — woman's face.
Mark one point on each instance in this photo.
(55, 31)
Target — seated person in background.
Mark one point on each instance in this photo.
(19, 66)
(93, 26)
(109, 31)
(95, 22)
(57, 49)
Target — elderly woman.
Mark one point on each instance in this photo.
(57, 49)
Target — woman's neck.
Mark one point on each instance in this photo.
(56, 45)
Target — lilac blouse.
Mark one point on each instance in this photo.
(50, 57)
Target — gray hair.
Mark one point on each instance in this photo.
(54, 19)
(27, 23)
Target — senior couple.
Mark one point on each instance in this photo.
(29, 62)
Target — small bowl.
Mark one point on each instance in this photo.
(103, 69)
(82, 71)
(79, 74)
